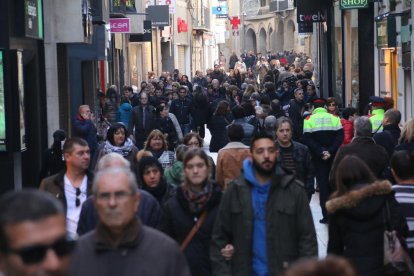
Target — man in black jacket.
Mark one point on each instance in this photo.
(142, 120)
(182, 109)
(388, 138)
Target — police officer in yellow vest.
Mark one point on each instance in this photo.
(323, 134)
(377, 113)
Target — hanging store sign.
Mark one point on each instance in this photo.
(353, 4)
(2, 107)
(120, 25)
(220, 11)
(311, 11)
(386, 33)
(158, 15)
(305, 27)
(33, 18)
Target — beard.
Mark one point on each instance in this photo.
(264, 171)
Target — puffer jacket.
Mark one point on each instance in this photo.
(348, 127)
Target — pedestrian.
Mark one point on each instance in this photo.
(124, 111)
(391, 132)
(193, 140)
(199, 113)
(121, 245)
(83, 127)
(110, 108)
(230, 158)
(402, 164)
(182, 109)
(157, 144)
(295, 156)
(296, 106)
(240, 119)
(141, 120)
(152, 180)
(220, 120)
(33, 234)
(53, 161)
(194, 206)
(73, 185)
(264, 216)
(175, 174)
(323, 134)
(116, 141)
(149, 212)
(348, 117)
(357, 220)
(406, 141)
(376, 117)
(332, 106)
(164, 123)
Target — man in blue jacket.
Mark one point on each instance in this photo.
(83, 127)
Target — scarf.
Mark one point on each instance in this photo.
(197, 200)
(123, 150)
(158, 192)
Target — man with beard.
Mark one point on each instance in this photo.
(264, 222)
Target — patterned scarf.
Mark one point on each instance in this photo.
(123, 150)
(197, 200)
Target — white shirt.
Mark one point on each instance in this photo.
(73, 212)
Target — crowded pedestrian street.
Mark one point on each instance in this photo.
(206, 138)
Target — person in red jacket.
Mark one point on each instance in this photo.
(348, 116)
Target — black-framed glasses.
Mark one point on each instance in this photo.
(36, 253)
(77, 201)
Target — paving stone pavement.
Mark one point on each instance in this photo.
(321, 229)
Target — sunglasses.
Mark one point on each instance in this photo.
(331, 104)
(78, 193)
(36, 253)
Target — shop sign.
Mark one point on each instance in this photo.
(353, 4)
(159, 15)
(33, 18)
(311, 11)
(305, 27)
(386, 33)
(120, 25)
(2, 107)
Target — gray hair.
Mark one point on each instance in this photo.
(362, 127)
(132, 181)
(108, 161)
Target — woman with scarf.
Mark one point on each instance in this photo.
(197, 200)
(116, 141)
(150, 175)
(164, 123)
(157, 144)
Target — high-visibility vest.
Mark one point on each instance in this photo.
(321, 120)
(376, 118)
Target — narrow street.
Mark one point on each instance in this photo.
(321, 229)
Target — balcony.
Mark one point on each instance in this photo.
(280, 5)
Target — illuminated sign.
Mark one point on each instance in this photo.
(2, 107)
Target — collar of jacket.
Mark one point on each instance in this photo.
(129, 239)
(281, 178)
(363, 140)
(355, 196)
(235, 145)
(59, 181)
(319, 110)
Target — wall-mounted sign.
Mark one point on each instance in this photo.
(159, 15)
(220, 10)
(181, 25)
(353, 4)
(386, 33)
(120, 25)
(33, 18)
(22, 111)
(311, 11)
(305, 27)
(2, 107)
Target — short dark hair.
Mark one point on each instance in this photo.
(190, 135)
(393, 115)
(402, 163)
(283, 120)
(111, 132)
(349, 111)
(70, 142)
(25, 205)
(235, 132)
(128, 88)
(261, 136)
(238, 112)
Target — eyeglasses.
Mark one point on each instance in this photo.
(36, 253)
(119, 196)
(78, 193)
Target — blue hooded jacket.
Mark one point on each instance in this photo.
(260, 193)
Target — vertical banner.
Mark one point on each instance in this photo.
(2, 107)
(20, 86)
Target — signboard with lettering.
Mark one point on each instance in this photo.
(353, 4)
(311, 11)
(159, 15)
(120, 25)
(33, 18)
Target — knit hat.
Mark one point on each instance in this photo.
(59, 135)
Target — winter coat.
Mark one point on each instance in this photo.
(149, 212)
(166, 126)
(110, 111)
(200, 110)
(124, 111)
(136, 121)
(101, 153)
(181, 108)
(356, 225)
(289, 227)
(348, 127)
(248, 130)
(295, 114)
(162, 193)
(232, 61)
(405, 146)
(388, 138)
(284, 96)
(177, 222)
(86, 130)
(52, 162)
(217, 127)
(174, 174)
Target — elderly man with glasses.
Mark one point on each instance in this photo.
(121, 245)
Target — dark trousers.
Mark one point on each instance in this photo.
(322, 169)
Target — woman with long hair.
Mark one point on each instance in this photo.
(116, 141)
(219, 121)
(196, 201)
(406, 141)
(157, 144)
(164, 123)
(357, 221)
(199, 113)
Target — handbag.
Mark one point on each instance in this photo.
(193, 231)
(396, 259)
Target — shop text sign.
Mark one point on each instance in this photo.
(120, 25)
(353, 4)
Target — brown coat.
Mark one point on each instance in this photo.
(230, 162)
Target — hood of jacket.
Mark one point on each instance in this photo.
(126, 107)
(362, 201)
